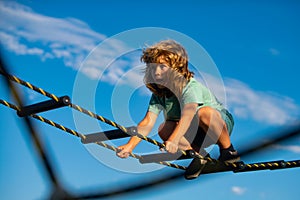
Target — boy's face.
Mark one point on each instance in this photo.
(159, 72)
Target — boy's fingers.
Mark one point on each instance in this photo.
(162, 149)
(122, 154)
(171, 147)
(118, 150)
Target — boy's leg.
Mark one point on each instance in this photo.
(210, 120)
(197, 137)
(214, 124)
(167, 128)
(214, 131)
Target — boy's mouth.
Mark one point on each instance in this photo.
(158, 79)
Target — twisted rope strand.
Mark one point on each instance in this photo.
(75, 133)
(87, 112)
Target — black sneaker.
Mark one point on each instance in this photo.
(229, 156)
(195, 167)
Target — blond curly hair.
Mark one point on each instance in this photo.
(176, 56)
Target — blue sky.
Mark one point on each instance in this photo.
(246, 52)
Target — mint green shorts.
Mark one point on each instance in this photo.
(227, 117)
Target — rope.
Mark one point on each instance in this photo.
(241, 167)
(31, 130)
(109, 122)
(32, 87)
(236, 167)
(75, 133)
(89, 113)
(40, 118)
(247, 167)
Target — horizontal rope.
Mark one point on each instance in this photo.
(109, 122)
(40, 118)
(30, 86)
(105, 120)
(236, 167)
(75, 133)
(87, 112)
(29, 128)
(281, 164)
(241, 167)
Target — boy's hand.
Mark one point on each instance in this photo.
(171, 146)
(124, 151)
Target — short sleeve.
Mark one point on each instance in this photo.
(155, 104)
(192, 93)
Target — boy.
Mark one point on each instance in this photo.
(191, 111)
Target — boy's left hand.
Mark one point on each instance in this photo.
(171, 147)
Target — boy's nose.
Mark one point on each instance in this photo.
(157, 70)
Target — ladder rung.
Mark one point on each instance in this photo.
(44, 106)
(150, 158)
(106, 135)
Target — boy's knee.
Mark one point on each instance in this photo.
(205, 114)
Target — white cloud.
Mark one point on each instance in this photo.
(262, 106)
(112, 65)
(248, 103)
(26, 32)
(292, 148)
(12, 43)
(238, 190)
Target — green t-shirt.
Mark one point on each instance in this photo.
(193, 92)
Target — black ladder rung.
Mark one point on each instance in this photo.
(158, 157)
(44, 106)
(103, 136)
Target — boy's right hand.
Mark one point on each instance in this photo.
(124, 151)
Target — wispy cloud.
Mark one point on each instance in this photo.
(238, 190)
(248, 103)
(25, 32)
(292, 148)
(267, 107)
(111, 63)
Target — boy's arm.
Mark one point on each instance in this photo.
(187, 115)
(144, 128)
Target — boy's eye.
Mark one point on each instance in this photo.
(162, 66)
